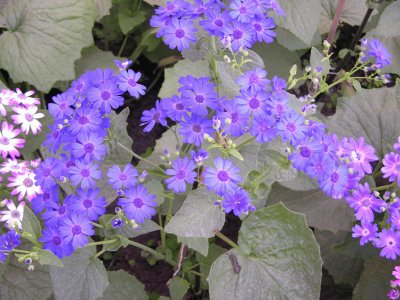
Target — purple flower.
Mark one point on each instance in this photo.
(194, 128)
(234, 123)
(391, 167)
(379, 52)
(263, 128)
(200, 96)
(105, 96)
(174, 107)
(335, 183)
(175, 8)
(86, 120)
(241, 35)
(367, 232)
(364, 203)
(10, 240)
(138, 204)
(242, 10)
(122, 179)
(152, 117)
(361, 155)
(40, 201)
(61, 106)
(127, 81)
(253, 81)
(84, 174)
(199, 156)
(89, 147)
(291, 127)
(225, 176)
(254, 104)
(54, 138)
(182, 173)
(262, 30)
(76, 229)
(274, 5)
(278, 104)
(179, 33)
(79, 86)
(393, 294)
(389, 240)
(306, 149)
(48, 170)
(54, 213)
(215, 20)
(320, 167)
(237, 201)
(87, 203)
(53, 241)
(100, 76)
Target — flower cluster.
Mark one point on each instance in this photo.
(79, 136)
(239, 24)
(8, 242)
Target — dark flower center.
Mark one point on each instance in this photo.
(223, 175)
(56, 240)
(335, 177)
(237, 34)
(291, 127)
(85, 172)
(243, 9)
(219, 22)
(63, 106)
(87, 203)
(83, 120)
(28, 117)
(28, 182)
(138, 202)
(179, 106)
(258, 27)
(196, 128)
(105, 95)
(76, 230)
(89, 147)
(122, 176)
(254, 103)
(199, 98)
(61, 210)
(180, 33)
(181, 174)
(305, 151)
(234, 117)
(46, 172)
(132, 82)
(4, 141)
(15, 214)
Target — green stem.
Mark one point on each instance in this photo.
(21, 251)
(141, 158)
(195, 273)
(97, 225)
(226, 239)
(105, 242)
(245, 142)
(152, 252)
(383, 187)
(100, 253)
(162, 232)
(377, 169)
(122, 46)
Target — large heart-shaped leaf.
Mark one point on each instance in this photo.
(44, 38)
(123, 286)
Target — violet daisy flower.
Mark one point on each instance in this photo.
(241, 35)
(263, 128)
(378, 51)
(75, 229)
(306, 149)
(174, 107)
(87, 202)
(320, 167)
(233, 122)
(215, 20)
(254, 104)
(127, 81)
(40, 201)
(174, 8)
(89, 147)
(242, 10)
(179, 33)
(335, 183)
(237, 201)
(367, 232)
(291, 127)
(253, 80)
(262, 30)
(138, 204)
(225, 176)
(8, 142)
(278, 105)
(61, 107)
(152, 117)
(361, 155)
(105, 96)
(8, 242)
(79, 86)
(86, 120)
(55, 213)
(47, 172)
(389, 240)
(52, 240)
(181, 173)
(396, 273)
(27, 117)
(194, 128)
(84, 174)
(391, 167)
(393, 294)
(101, 76)
(54, 138)
(200, 156)
(365, 203)
(122, 179)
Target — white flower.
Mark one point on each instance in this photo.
(24, 185)
(27, 117)
(13, 216)
(13, 166)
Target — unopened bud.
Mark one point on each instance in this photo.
(307, 69)
(28, 261)
(327, 44)
(245, 53)
(376, 193)
(227, 59)
(31, 268)
(228, 121)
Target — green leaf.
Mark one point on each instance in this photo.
(129, 232)
(321, 211)
(198, 244)
(277, 258)
(49, 36)
(343, 268)
(388, 32)
(178, 288)
(123, 286)
(17, 283)
(128, 19)
(198, 216)
(356, 85)
(375, 280)
(47, 257)
(318, 60)
(372, 114)
(93, 58)
(83, 276)
(181, 68)
(302, 182)
(278, 60)
(206, 261)
(103, 8)
(156, 2)
(353, 13)
(31, 225)
(34, 142)
(301, 20)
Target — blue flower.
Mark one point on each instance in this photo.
(194, 128)
(53, 241)
(174, 107)
(263, 128)
(367, 232)
(86, 120)
(262, 30)
(75, 229)
(291, 127)
(215, 20)
(127, 81)
(105, 96)
(180, 33)
(61, 106)
(242, 10)
(181, 173)
(253, 81)
(254, 104)
(233, 122)
(241, 35)
(379, 52)
(389, 240)
(89, 147)
(175, 8)
(54, 213)
(87, 203)
(335, 183)
(224, 177)
(48, 196)
(84, 174)
(47, 172)
(237, 201)
(152, 117)
(306, 149)
(138, 204)
(122, 179)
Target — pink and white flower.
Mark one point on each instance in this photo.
(27, 117)
(13, 216)
(24, 98)
(8, 142)
(24, 184)
(13, 166)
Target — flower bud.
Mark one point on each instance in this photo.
(28, 261)
(227, 59)
(307, 68)
(376, 193)
(31, 268)
(228, 121)
(327, 44)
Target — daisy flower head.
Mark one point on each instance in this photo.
(27, 117)
(75, 229)
(389, 241)
(125, 178)
(360, 154)
(194, 128)
(152, 117)
(24, 185)
(367, 232)
(138, 204)
(8, 141)
(254, 80)
(53, 240)
(391, 167)
(237, 201)
(61, 107)
(13, 216)
(84, 174)
(128, 81)
(182, 172)
(379, 52)
(179, 33)
(87, 202)
(105, 96)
